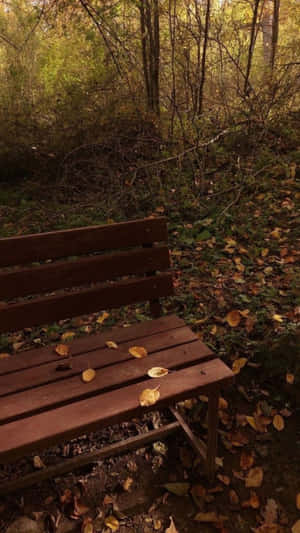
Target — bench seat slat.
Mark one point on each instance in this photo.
(49, 277)
(21, 436)
(72, 389)
(33, 377)
(40, 356)
(52, 245)
(52, 308)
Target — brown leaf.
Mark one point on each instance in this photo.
(270, 513)
(4, 355)
(253, 501)
(127, 484)
(298, 501)
(67, 496)
(111, 344)
(246, 460)
(138, 351)
(255, 477)
(233, 318)
(79, 507)
(102, 317)
(224, 479)
(88, 375)
(233, 497)
(210, 517)
(180, 489)
(172, 527)
(62, 350)
(87, 525)
(278, 422)
(112, 522)
(296, 527)
(198, 493)
(290, 378)
(238, 364)
(68, 336)
(149, 397)
(38, 463)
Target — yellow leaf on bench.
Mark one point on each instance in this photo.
(88, 375)
(102, 317)
(111, 344)
(62, 349)
(138, 351)
(68, 336)
(149, 397)
(157, 372)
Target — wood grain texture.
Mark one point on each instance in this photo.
(73, 242)
(61, 275)
(38, 431)
(71, 389)
(33, 377)
(52, 308)
(39, 356)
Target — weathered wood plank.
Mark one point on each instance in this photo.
(72, 389)
(55, 244)
(39, 431)
(36, 376)
(48, 309)
(88, 343)
(61, 275)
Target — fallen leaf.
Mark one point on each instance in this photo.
(17, 345)
(62, 350)
(290, 378)
(80, 508)
(298, 501)
(198, 493)
(4, 355)
(275, 233)
(233, 497)
(102, 317)
(224, 479)
(223, 404)
(296, 527)
(112, 522)
(67, 496)
(172, 527)
(253, 501)
(138, 351)
(179, 489)
(210, 517)
(37, 462)
(111, 344)
(255, 477)
(233, 318)
(270, 513)
(149, 397)
(238, 364)
(157, 372)
(251, 421)
(127, 484)
(277, 318)
(278, 422)
(87, 525)
(67, 336)
(246, 460)
(88, 375)
(157, 525)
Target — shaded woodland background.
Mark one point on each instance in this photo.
(95, 90)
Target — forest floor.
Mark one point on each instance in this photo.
(235, 258)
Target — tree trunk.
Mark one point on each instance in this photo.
(203, 63)
(251, 45)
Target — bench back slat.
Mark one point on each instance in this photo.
(73, 242)
(94, 269)
(88, 269)
(52, 308)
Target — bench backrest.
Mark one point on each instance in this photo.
(123, 264)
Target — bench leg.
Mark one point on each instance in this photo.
(213, 404)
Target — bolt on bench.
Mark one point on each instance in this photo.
(41, 406)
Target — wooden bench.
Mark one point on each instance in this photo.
(91, 269)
